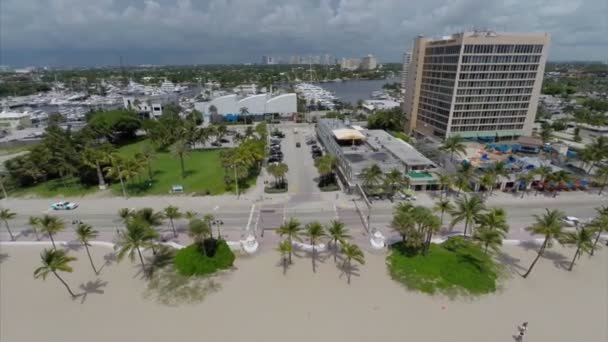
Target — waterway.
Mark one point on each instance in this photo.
(352, 91)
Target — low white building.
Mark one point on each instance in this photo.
(15, 120)
(373, 105)
(589, 133)
(229, 106)
(150, 105)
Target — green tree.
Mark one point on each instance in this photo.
(54, 261)
(115, 170)
(444, 181)
(599, 225)
(285, 248)
(546, 133)
(51, 225)
(148, 155)
(292, 230)
(467, 210)
(180, 149)
(453, 144)
(149, 216)
(550, 225)
(124, 214)
(393, 181)
(210, 219)
(172, 213)
(325, 166)
(489, 238)
(34, 222)
(559, 177)
(371, 176)
(138, 235)
(199, 230)
(526, 180)
(94, 156)
(278, 171)
(582, 239)
(601, 178)
(6, 215)
(443, 206)
(314, 232)
(84, 234)
(351, 252)
(338, 234)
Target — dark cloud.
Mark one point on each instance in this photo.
(84, 32)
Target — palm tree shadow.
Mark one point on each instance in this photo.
(511, 263)
(25, 233)
(95, 287)
(559, 260)
(3, 257)
(348, 271)
(73, 246)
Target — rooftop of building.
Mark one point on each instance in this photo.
(14, 115)
(487, 33)
(378, 147)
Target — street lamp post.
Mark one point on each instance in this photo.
(218, 223)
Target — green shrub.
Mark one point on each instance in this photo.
(456, 267)
(274, 190)
(191, 261)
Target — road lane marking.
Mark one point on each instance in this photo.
(250, 216)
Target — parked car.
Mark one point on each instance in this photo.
(297, 144)
(571, 221)
(64, 206)
(224, 140)
(216, 144)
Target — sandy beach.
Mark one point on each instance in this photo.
(257, 302)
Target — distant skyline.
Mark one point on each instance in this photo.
(96, 32)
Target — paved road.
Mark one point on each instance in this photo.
(302, 172)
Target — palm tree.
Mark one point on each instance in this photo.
(498, 170)
(468, 210)
(285, 248)
(325, 166)
(525, 179)
(53, 261)
(403, 222)
(51, 225)
(5, 215)
(453, 144)
(544, 172)
(244, 112)
(278, 171)
(147, 155)
(443, 206)
(487, 180)
(494, 219)
(601, 178)
(371, 176)
(337, 234)
(582, 239)
(180, 149)
(490, 238)
(115, 170)
(149, 216)
(190, 215)
(210, 219)
(559, 177)
(93, 157)
(546, 133)
(292, 230)
(172, 213)
(445, 181)
(137, 236)
(199, 230)
(549, 225)
(84, 234)
(34, 222)
(124, 214)
(314, 232)
(599, 225)
(351, 252)
(393, 181)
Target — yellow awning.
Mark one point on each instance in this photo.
(348, 134)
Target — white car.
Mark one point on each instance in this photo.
(571, 221)
(64, 206)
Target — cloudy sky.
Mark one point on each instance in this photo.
(93, 32)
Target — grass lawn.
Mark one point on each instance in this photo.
(203, 173)
(455, 268)
(401, 135)
(55, 188)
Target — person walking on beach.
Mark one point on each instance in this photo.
(522, 330)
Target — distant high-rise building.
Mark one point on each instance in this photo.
(475, 84)
(267, 60)
(407, 58)
(327, 60)
(350, 63)
(369, 62)
(294, 60)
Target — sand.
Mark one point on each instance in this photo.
(258, 303)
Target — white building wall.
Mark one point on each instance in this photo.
(225, 104)
(255, 104)
(283, 104)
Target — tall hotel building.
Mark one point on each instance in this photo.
(475, 84)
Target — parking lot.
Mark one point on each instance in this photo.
(302, 173)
